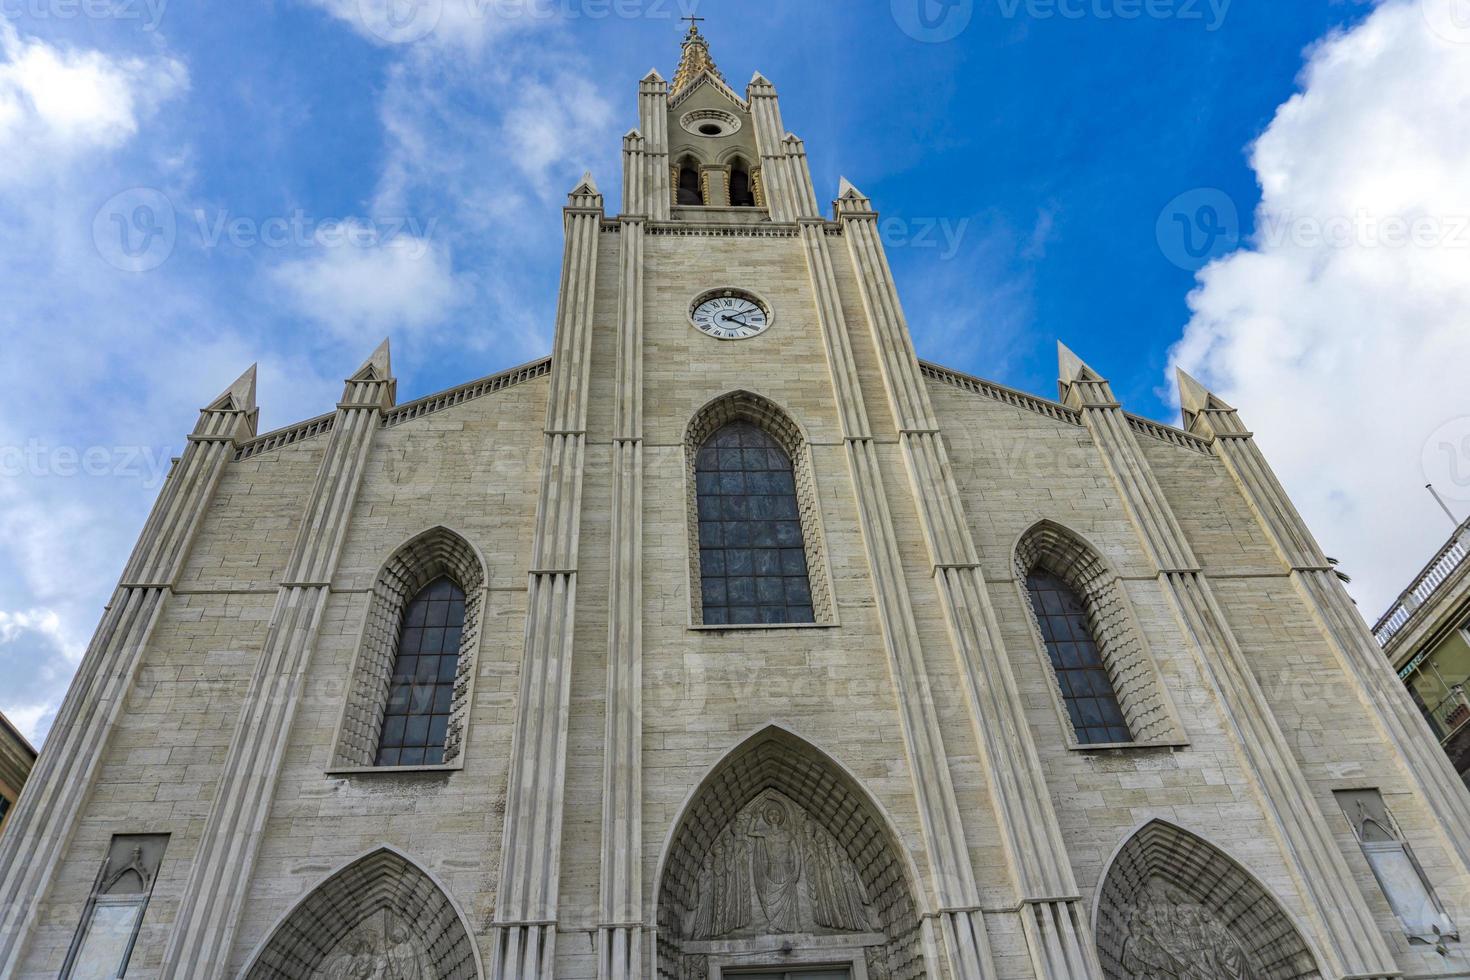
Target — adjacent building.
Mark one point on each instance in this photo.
(17, 757)
(1426, 635)
(732, 641)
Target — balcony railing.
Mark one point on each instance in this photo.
(1435, 574)
(1451, 714)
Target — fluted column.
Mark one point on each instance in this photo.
(40, 828)
(960, 920)
(209, 911)
(1383, 696)
(1052, 916)
(1348, 935)
(524, 941)
(621, 931)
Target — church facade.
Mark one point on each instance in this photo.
(732, 640)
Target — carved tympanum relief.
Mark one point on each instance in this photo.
(775, 870)
(380, 948)
(1171, 938)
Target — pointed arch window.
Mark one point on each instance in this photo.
(412, 683)
(1092, 702)
(420, 701)
(752, 551)
(1106, 683)
(691, 186)
(742, 194)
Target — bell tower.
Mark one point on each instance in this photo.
(705, 154)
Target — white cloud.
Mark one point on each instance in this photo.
(465, 24)
(1343, 332)
(36, 657)
(56, 103)
(352, 289)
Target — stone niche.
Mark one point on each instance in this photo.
(774, 871)
(781, 862)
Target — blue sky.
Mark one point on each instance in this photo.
(317, 182)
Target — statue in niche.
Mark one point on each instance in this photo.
(379, 948)
(1171, 938)
(774, 870)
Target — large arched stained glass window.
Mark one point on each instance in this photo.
(1087, 689)
(752, 555)
(422, 693)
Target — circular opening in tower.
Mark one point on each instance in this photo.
(710, 123)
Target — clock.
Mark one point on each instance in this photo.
(730, 314)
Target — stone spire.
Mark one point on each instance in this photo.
(695, 61)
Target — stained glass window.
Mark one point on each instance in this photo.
(1091, 701)
(752, 556)
(422, 690)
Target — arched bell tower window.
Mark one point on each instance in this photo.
(742, 195)
(755, 528)
(416, 718)
(691, 187)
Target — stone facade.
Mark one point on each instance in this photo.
(893, 790)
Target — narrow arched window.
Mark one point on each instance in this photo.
(752, 553)
(741, 194)
(421, 696)
(1087, 689)
(691, 188)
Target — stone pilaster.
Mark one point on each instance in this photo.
(957, 894)
(38, 831)
(1351, 942)
(1384, 698)
(621, 931)
(648, 190)
(209, 910)
(785, 179)
(1055, 924)
(524, 940)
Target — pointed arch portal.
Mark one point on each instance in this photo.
(1174, 907)
(781, 854)
(379, 916)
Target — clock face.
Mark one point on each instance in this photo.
(730, 314)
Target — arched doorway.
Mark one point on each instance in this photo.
(1174, 907)
(379, 916)
(780, 863)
